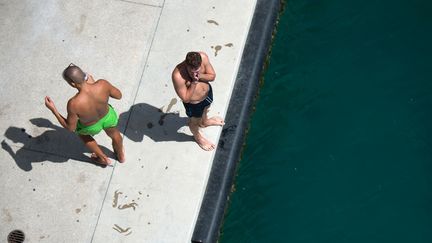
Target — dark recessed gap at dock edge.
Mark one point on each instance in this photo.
(254, 62)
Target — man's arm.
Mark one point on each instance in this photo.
(114, 92)
(185, 93)
(72, 118)
(209, 73)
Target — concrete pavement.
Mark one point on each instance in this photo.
(49, 188)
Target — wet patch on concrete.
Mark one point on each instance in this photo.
(115, 199)
(80, 28)
(132, 205)
(79, 210)
(117, 204)
(122, 230)
(217, 48)
(7, 215)
(170, 105)
(210, 21)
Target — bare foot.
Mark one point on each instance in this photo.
(99, 160)
(213, 121)
(204, 143)
(120, 156)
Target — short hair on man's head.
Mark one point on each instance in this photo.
(193, 59)
(74, 74)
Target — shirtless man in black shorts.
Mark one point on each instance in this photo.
(191, 82)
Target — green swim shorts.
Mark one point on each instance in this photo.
(108, 121)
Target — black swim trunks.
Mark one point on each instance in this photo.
(197, 110)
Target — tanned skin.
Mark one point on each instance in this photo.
(191, 86)
(89, 105)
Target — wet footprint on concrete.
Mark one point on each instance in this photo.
(211, 21)
(219, 47)
(78, 210)
(82, 23)
(129, 205)
(115, 199)
(121, 230)
(170, 105)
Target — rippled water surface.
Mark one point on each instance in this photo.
(340, 145)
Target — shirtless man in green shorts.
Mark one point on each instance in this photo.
(89, 112)
(191, 79)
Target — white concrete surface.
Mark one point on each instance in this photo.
(48, 188)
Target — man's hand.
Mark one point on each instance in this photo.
(70, 122)
(195, 76)
(90, 78)
(50, 104)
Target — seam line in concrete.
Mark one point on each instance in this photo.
(144, 4)
(127, 121)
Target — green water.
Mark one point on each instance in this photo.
(339, 147)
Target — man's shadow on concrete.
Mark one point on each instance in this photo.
(146, 120)
(55, 145)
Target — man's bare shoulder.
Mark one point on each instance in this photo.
(179, 67)
(74, 102)
(176, 73)
(203, 55)
(102, 82)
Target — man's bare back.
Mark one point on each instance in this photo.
(89, 112)
(91, 104)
